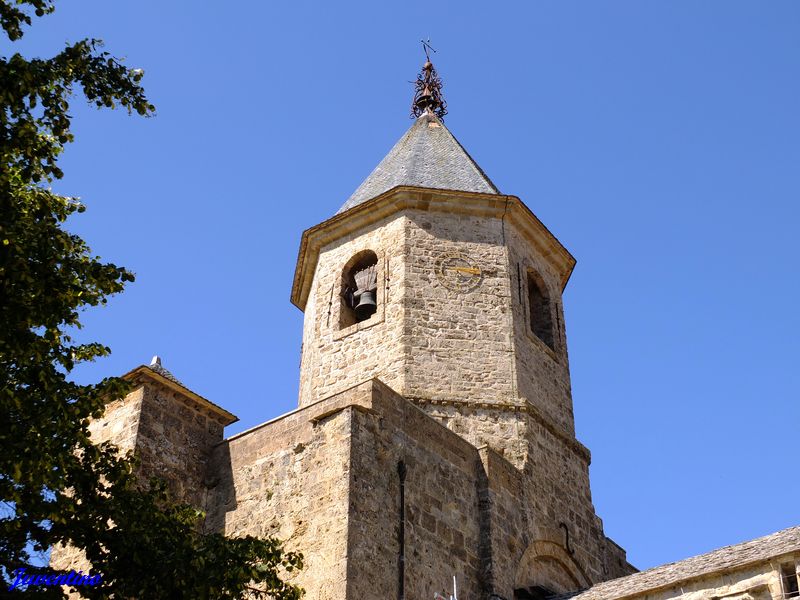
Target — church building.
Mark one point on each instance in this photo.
(433, 450)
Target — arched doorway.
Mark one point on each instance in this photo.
(545, 569)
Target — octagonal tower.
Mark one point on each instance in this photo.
(468, 315)
(450, 293)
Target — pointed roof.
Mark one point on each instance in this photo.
(156, 372)
(155, 365)
(428, 155)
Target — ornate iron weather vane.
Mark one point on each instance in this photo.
(428, 89)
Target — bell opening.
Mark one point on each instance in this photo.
(359, 299)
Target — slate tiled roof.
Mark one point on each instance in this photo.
(156, 367)
(164, 372)
(729, 557)
(426, 156)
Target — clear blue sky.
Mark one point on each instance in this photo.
(660, 141)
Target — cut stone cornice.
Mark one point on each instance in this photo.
(492, 205)
(427, 156)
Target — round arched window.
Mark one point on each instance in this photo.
(359, 291)
(540, 314)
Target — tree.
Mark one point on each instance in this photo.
(55, 484)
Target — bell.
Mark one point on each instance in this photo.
(366, 306)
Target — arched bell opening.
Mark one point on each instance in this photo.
(540, 314)
(359, 289)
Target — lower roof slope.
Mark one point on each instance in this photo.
(724, 559)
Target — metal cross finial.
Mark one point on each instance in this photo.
(426, 46)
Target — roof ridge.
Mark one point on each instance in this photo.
(469, 156)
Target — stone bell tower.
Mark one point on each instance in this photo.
(463, 311)
(450, 293)
(434, 440)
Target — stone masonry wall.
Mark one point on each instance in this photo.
(336, 358)
(528, 505)
(120, 421)
(324, 478)
(456, 333)
(175, 440)
(558, 491)
(172, 435)
(289, 478)
(542, 373)
(506, 530)
(500, 427)
(458, 342)
(442, 520)
(119, 424)
(469, 358)
(431, 343)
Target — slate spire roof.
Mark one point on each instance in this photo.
(428, 155)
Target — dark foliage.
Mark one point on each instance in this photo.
(57, 487)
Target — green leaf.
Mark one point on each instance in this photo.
(59, 485)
